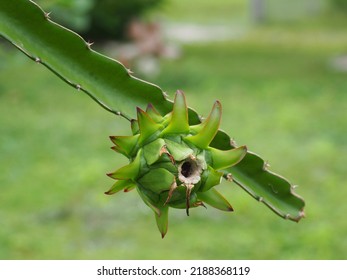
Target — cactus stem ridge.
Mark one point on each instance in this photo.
(266, 165)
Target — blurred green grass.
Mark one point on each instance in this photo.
(280, 96)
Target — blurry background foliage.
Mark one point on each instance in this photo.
(279, 69)
(108, 19)
(340, 5)
(98, 19)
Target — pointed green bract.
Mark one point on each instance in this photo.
(209, 128)
(195, 129)
(225, 159)
(134, 126)
(130, 187)
(210, 178)
(129, 171)
(126, 144)
(153, 113)
(179, 116)
(119, 150)
(147, 126)
(119, 186)
(215, 199)
(162, 220)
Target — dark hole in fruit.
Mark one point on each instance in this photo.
(187, 169)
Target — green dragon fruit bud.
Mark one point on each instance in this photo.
(171, 163)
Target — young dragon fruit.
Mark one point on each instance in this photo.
(171, 163)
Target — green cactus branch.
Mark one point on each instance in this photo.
(67, 55)
(24, 24)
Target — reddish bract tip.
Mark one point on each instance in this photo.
(109, 174)
(139, 110)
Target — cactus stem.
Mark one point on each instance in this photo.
(272, 188)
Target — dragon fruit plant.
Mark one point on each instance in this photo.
(175, 157)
